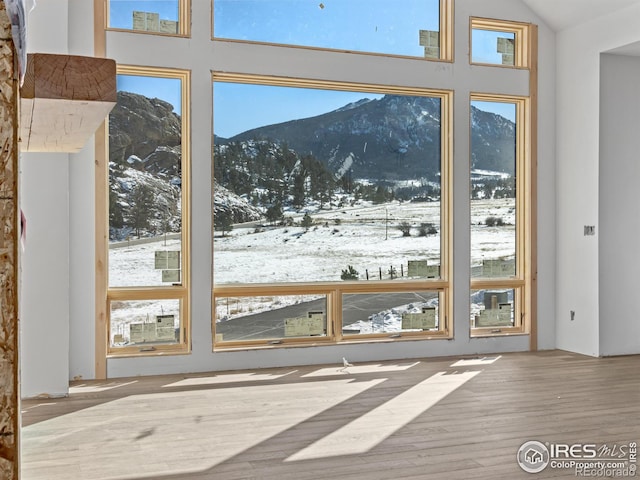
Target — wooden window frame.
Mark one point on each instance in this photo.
(335, 290)
(184, 21)
(174, 292)
(523, 40)
(521, 283)
(446, 38)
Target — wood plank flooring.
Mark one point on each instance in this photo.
(428, 419)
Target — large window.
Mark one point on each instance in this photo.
(325, 200)
(500, 243)
(415, 28)
(332, 202)
(148, 182)
(158, 17)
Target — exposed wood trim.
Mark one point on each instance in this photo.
(101, 202)
(447, 30)
(362, 286)
(522, 55)
(99, 24)
(147, 293)
(446, 212)
(520, 282)
(184, 21)
(9, 239)
(133, 293)
(102, 250)
(483, 283)
(533, 182)
(218, 76)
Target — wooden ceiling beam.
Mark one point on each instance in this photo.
(64, 99)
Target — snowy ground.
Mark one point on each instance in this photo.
(365, 237)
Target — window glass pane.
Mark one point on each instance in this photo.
(401, 27)
(493, 189)
(389, 312)
(492, 308)
(144, 322)
(324, 185)
(145, 179)
(160, 16)
(494, 47)
(270, 317)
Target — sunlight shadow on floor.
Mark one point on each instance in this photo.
(228, 378)
(159, 434)
(370, 429)
(359, 369)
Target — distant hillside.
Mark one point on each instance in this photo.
(392, 138)
(493, 139)
(145, 178)
(299, 164)
(141, 126)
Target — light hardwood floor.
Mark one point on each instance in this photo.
(442, 418)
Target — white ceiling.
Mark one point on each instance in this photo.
(562, 14)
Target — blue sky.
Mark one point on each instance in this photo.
(167, 89)
(380, 26)
(383, 26)
(269, 105)
(239, 107)
(121, 11)
(484, 44)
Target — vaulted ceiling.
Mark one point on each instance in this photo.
(562, 14)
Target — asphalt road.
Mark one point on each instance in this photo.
(270, 324)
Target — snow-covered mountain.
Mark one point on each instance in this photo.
(360, 149)
(391, 138)
(239, 210)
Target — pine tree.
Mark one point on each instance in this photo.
(298, 190)
(223, 221)
(307, 221)
(274, 212)
(116, 219)
(141, 201)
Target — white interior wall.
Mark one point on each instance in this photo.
(44, 191)
(578, 112)
(45, 306)
(201, 55)
(82, 218)
(619, 220)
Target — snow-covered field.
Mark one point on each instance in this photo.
(364, 236)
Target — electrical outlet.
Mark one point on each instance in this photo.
(573, 315)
